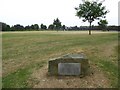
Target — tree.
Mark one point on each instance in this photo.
(103, 24)
(63, 27)
(32, 27)
(36, 27)
(51, 27)
(5, 27)
(57, 24)
(91, 11)
(43, 27)
(17, 27)
(27, 27)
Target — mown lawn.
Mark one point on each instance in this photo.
(22, 53)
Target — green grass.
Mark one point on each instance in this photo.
(16, 79)
(19, 79)
(25, 52)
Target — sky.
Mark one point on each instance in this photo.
(119, 13)
(27, 12)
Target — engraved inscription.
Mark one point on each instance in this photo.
(69, 69)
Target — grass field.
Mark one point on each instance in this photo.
(25, 54)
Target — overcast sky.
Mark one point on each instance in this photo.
(27, 12)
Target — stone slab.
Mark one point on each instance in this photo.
(70, 64)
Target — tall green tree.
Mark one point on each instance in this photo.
(103, 24)
(91, 11)
(57, 24)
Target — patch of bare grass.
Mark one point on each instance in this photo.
(95, 79)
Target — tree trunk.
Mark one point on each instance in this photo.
(90, 29)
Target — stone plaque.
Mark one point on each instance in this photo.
(69, 68)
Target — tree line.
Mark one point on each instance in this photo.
(98, 28)
(55, 26)
(36, 27)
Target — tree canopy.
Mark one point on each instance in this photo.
(43, 27)
(103, 24)
(57, 24)
(51, 27)
(91, 11)
(5, 27)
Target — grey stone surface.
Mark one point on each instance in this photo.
(70, 64)
(69, 68)
(75, 56)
